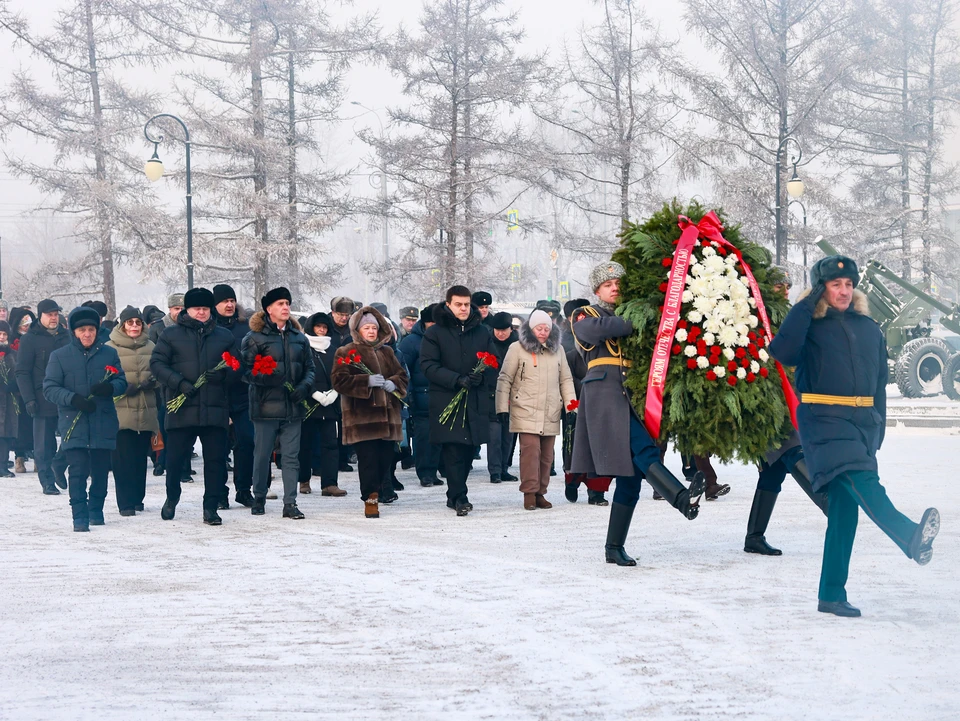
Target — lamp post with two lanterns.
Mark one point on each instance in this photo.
(794, 190)
(153, 169)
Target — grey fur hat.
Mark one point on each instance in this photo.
(604, 272)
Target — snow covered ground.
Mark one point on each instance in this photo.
(505, 614)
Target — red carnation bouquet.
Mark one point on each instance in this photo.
(110, 372)
(484, 360)
(264, 365)
(227, 361)
(5, 373)
(352, 358)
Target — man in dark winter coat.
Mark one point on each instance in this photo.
(82, 379)
(44, 337)
(566, 337)
(426, 455)
(174, 308)
(610, 439)
(501, 439)
(103, 330)
(409, 315)
(448, 357)
(482, 300)
(841, 374)
(277, 400)
(229, 317)
(184, 352)
(341, 308)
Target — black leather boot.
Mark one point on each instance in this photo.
(617, 529)
(81, 518)
(596, 498)
(801, 474)
(760, 512)
(685, 500)
(258, 507)
(211, 517)
(169, 510)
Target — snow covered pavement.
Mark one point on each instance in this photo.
(505, 614)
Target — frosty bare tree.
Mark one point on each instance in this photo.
(86, 117)
(607, 118)
(457, 151)
(779, 63)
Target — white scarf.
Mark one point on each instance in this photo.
(319, 343)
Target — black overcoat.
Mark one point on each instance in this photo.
(36, 347)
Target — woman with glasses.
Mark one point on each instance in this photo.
(136, 411)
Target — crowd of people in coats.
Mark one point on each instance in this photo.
(306, 395)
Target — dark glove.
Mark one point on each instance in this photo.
(298, 394)
(816, 294)
(188, 389)
(148, 385)
(475, 379)
(84, 405)
(103, 389)
(464, 382)
(376, 381)
(504, 419)
(32, 408)
(132, 390)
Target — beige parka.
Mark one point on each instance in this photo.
(136, 412)
(535, 384)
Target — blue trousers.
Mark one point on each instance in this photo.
(645, 453)
(772, 476)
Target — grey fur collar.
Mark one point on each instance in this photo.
(528, 341)
(859, 305)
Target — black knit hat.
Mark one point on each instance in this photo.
(223, 292)
(274, 295)
(502, 321)
(198, 298)
(426, 314)
(572, 305)
(84, 315)
(129, 313)
(5, 328)
(481, 297)
(833, 267)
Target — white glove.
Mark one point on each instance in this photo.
(328, 398)
(318, 396)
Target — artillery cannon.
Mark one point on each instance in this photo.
(917, 360)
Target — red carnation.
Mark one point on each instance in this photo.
(745, 362)
(676, 349)
(572, 406)
(667, 262)
(711, 376)
(715, 350)
(761, 342)
(751, 335)
(111, 369)
(732, 366)
(691, 363)
(682, 324)
(661, 309)
(751, 378)
(764, 372)
(663, 287)
(714, 360)
(732, 380)
(740, 353)
(695, 331)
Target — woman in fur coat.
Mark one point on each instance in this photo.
(534, 388)
(371, 412)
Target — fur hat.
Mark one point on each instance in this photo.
(604, 272)
(833, 267)
(274, 295)
(550, 307)
(539, 317)
(382, 307)
(82, 316)
(502, 321)
(572, 305)
(222, 292)
(341, 304)
(426, 314)
(175, 300)
(129, 313)
(48, 306)
(97, 305)
(481, 297)
(198, 298)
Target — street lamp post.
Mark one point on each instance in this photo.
(794, 190)
(153, 169)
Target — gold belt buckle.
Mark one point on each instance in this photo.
(858, 401)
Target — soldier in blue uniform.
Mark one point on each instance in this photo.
(841, 374)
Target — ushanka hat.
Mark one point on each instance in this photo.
(480, 298)
(198, 298)
(502, 321)
(274, 295)
(610, 270)
(84, 315)
(342, 304)
(833, 267)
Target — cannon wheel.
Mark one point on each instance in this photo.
(920, 364)
(951, 377)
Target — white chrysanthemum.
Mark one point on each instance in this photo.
(708, 251)
(680, 335)
(687, 296)
(764, 356)
(714, 264)
(752, 302)
(738, 291)
(725, 309)
(694, 317)
(696, 269)
(752, 321)
(711, 326)
(690, 351)
(741, 373)
(727, 336)
(741, 328)
(728, 353)
(743, 341)
(702, 362)
(704, 304)
(714, 243)
(709, 338)
(731, 260)
(699, 286)
(720, 371)
(754, 367)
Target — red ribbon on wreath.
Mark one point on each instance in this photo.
(710, 228)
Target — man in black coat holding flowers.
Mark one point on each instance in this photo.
(449, 356)
(184, 362)
(841, 359)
